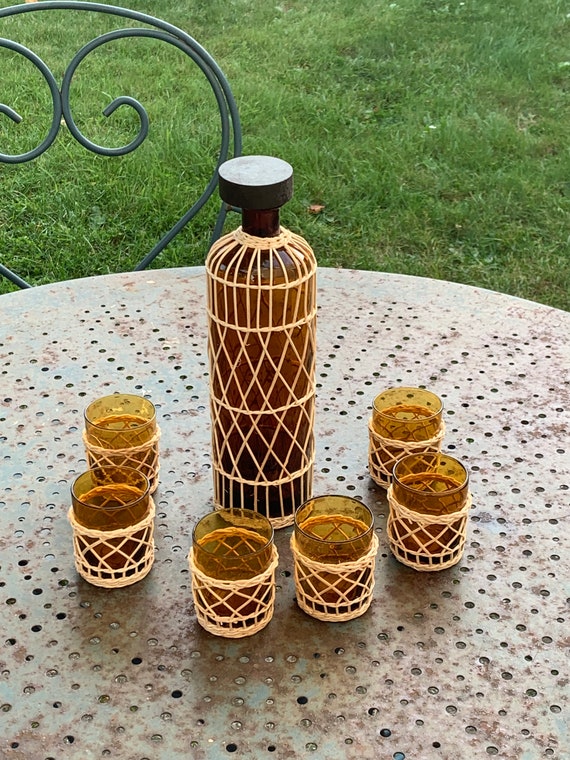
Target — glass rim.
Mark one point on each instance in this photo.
(456, 489)
(137, 426)
(269, 540)
(93, 470)
(312, 537)
(408, 388)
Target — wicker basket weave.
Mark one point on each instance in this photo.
(383, 453)
(233, 608)
(262, 335)
(334, 592)
(97, 553)
(144, 458)
(426, 542)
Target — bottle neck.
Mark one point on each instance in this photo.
(260, 223)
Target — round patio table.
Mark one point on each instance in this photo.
(469, 662)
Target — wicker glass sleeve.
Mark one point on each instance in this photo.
(262, 332)
(334, 550)
(232, 565)
(112, 518)
(429, 503)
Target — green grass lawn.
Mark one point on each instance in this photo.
(434, 134)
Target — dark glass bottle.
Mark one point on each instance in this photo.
(261, 344)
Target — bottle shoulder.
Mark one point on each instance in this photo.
(243, 257)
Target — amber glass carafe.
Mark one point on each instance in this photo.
(262, 330)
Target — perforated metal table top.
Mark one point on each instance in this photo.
(466, 663)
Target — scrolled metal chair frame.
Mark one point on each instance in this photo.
(60, 95)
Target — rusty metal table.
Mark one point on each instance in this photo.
(469, 662)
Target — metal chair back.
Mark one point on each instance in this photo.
(147, 27)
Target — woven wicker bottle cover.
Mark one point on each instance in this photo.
(261, 281)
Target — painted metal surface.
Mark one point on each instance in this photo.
(470, 662)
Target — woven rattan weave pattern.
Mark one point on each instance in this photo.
(383, 453)
(144, 457)
(234, 609)
(334, 593)
(470, 662)
(426, 542)
(262, 311)
(96, 552)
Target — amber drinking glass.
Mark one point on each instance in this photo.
(432, 484)
(120, 421)
(233, 544)
(233, 562)
(121, 430)
(404, 420)
(333, 529)
(435, 487)
(331, 534)
(111, 500)
(407, 414)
